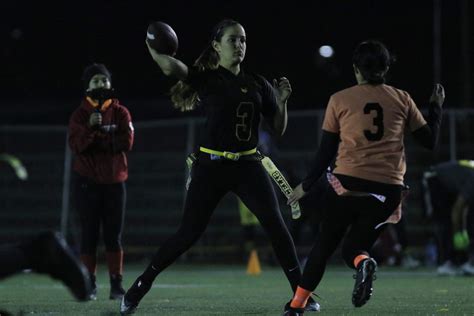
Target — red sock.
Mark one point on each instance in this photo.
(300, 298)
(115, 262)
(90, 261)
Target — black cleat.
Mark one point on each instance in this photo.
(363, 284)
(312, 306)
(291, 311)
(126, 307)
(116, 289)
(135, 293)
(52, 255)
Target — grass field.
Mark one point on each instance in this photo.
(227, 290)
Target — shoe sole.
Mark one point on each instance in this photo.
(363, 291)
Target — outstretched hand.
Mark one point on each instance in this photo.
(296, 195)
(283, 88)
(438, 95)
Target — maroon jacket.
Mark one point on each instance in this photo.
(100, 151)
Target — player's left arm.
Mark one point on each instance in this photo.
(283, 92)
(428, 134)
(325, 155)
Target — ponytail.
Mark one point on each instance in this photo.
(183, 96)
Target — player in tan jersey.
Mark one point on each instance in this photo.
(370, 120)
(363, 129)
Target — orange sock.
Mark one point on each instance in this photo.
(300, 298)
(358, 259)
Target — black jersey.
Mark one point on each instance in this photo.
(232, 105)
(457, 177)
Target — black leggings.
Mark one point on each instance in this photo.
(211, 180)
(100, 205)
(442, 199)
(357, 216)
(14, 259)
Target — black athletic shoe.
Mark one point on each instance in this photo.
(312, 305)
(93, 294)
(135, 293)
(52, 255)
(116, 289)
(291, 311)
(363, 283)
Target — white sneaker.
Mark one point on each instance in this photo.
(410, 263)
(447, 268)
(467, 268)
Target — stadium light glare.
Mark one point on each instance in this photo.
(326, 51)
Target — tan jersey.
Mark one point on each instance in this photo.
(371, 121)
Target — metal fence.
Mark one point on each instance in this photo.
(157, 177)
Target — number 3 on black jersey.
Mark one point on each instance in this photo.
(243, 128)
(377, 121)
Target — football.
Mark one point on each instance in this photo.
(162, 38)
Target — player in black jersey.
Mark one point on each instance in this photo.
(233, 101)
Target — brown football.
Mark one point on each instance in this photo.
(162, 38)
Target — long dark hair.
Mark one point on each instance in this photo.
(183, 96)
(372, 59)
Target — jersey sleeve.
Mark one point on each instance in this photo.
(415, 118)
(331, 120)
(269, 101)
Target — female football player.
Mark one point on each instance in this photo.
(363, 128)
(233, 101)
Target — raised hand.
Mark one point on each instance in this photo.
(283, 88)
(438, 95)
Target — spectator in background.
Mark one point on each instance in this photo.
(450, 199)
(100, 135)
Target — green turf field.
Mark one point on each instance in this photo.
(227, 290)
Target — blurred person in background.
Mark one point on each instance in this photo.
(234, 101)
(100, 135)
(363, 128)
(450, 196)
(46, 253)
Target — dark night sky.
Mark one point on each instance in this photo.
(45, 47)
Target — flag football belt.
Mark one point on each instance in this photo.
(267, 163)
(227, 154)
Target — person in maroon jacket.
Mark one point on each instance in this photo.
(100, 135)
